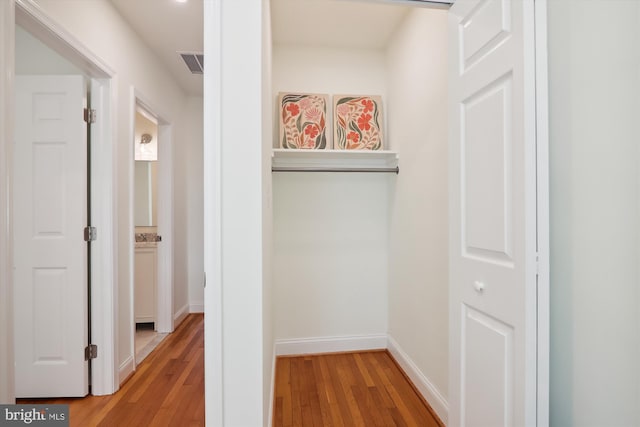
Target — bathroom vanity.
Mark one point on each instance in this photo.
(146, 259)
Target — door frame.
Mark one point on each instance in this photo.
(27, 13)
(543, 222)
(212, 166)
(7, 43)
(164, 287)
(213, 82)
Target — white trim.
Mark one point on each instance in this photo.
(542, 143)
(35, 20)
(332, 159)
(272, 388)
(104, 306)
(196, 307)
(532, 306)
(126, 369)
(180, 315)
(213, 342)
(429, 391)
(317, 345)
(131, 232)
(103, 291)
(7, 58)
(164, 286)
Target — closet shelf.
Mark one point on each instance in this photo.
(286, 160)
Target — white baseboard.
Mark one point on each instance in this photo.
(330, 344)
(126, 369)
(429, 391)
(180, 315)
(196, 307)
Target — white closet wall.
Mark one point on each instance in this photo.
(330, 229)
(418, 277)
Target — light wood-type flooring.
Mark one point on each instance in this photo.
(365, 389)
(166, 390)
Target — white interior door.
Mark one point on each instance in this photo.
(493, 214)
(50, 212)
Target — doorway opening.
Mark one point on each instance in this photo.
(62, 55)
(147, 237)
(417, 142)
(152, 253)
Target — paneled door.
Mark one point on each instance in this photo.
(493, 214)
(50, 212)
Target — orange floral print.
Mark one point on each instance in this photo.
(363, 121)
(293, 109)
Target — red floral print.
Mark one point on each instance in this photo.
(363, 122)
(357, 122)
(353, 136)
(303, 121)
(293, 109)
(311, 131)
(368, 105)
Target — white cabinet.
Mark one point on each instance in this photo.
(146, 258)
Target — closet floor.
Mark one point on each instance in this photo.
(347, 389)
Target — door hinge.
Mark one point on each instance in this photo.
(90, 234)
(90, 115)
(90, 352)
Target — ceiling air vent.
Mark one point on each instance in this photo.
(194, 61)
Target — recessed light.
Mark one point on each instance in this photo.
(181, 1)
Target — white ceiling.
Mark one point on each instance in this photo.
(334, 23)
(168, 27)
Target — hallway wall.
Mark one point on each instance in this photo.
(189, 193)
(594, 82)
(189, 212)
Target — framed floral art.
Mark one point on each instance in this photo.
(357, 122)
(303, 120)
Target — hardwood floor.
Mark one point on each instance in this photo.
(166, 390)
(333, 390)
(348, 389)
